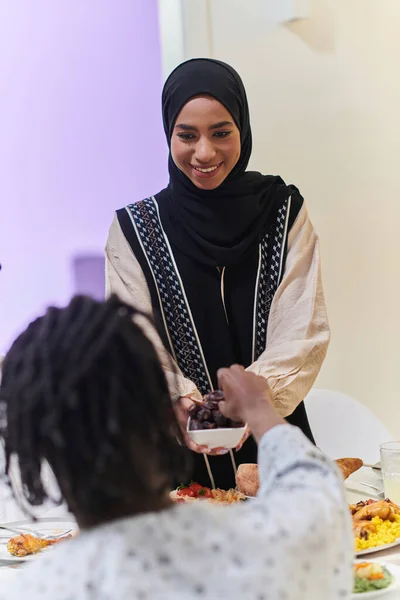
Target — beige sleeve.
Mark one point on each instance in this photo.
(125, 278)
(298, 329)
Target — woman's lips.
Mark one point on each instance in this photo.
(206, 172)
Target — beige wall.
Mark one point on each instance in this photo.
(325, 103)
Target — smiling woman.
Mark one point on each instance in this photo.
(205, 144)
(226, 260)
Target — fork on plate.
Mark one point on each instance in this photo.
(379, 491)
(35, 532)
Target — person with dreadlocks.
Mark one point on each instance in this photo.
(84, 392)
(226, 260)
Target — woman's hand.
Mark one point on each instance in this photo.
(248, 399)
(244, 439)
(181, 407)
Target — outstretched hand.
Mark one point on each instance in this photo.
(248, 399)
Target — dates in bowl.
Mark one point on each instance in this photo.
(208, 415)
(207, 426)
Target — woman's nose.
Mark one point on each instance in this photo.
(205, 151)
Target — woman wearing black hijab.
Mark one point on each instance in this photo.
(225, 259)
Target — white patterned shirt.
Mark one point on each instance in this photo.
(292, 543)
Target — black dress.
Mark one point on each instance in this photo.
(213, 326)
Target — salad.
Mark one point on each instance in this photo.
(370, 577)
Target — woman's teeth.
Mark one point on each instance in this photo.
(206, 170)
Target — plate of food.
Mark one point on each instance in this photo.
(195, 492)
(207, 426)
(27, 539)
(376, 525)
(375, 580)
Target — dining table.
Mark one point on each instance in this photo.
(356, 487)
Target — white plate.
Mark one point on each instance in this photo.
(392, 591)
(378, 548)
(46, 525)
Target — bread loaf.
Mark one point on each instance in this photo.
(247, 480)
(349, 465)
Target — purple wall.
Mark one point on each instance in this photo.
(80, 135)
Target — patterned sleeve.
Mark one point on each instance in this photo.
(125, 278)
(298, 329)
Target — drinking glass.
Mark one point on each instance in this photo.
(390, 465)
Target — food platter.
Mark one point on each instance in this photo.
(392, 591)
(376, 526)
(47, 526)
(195, 492)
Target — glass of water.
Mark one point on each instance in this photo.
(390, 465)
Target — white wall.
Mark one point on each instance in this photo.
(325, 104)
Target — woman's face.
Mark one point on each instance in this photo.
(205, 142)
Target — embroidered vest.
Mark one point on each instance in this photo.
(176, 314)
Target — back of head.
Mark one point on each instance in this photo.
(82, 388)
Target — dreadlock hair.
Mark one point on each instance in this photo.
(83, 390)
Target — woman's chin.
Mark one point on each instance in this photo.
(206, 184)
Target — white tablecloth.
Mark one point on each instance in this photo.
(355, 492)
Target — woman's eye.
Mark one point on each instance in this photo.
(222, 134)
(186, 136)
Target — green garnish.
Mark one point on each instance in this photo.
(366, 585)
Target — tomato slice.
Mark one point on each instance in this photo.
(187, 492)
(195, 490)
(196, 487)
(204, 492)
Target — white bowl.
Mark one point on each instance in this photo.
(217, 438)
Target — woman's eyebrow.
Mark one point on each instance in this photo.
(186, 127)
(220, 124)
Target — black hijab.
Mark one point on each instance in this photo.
(216, 227)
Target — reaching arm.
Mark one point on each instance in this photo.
(298, 531)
